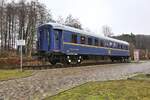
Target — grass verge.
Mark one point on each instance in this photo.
(141, 77)
(13, 74)
(110, 90)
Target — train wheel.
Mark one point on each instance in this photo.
(73, 59)
(79, 59)
(67, 60)
(53, 62)
(112, 60)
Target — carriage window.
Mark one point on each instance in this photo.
(121, 46)
(110, 44)
(106, 44)
(74, 38)
(96, 42)
(89, 41)
(127, 47)
(82, 40)
(114, 45)
(118, 46)
(101, 43)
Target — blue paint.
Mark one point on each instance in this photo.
(71, 49)
(66, 36)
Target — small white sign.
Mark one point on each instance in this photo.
(20, 42)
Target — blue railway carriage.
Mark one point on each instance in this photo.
(60, 43)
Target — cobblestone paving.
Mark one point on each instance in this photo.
(49, 82)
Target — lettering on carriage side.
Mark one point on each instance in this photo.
(72, 49)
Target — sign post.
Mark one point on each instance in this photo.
(21, 43)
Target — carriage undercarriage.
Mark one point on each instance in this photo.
(56, 57)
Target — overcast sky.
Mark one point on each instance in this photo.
(123, 16)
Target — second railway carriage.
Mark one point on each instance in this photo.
(60, 43)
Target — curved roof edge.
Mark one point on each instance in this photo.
(68, 28)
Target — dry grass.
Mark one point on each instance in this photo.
(12, 74)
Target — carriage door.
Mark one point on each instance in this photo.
(57, 39)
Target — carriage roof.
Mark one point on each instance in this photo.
(63, 27)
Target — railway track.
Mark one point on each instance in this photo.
(59, 65)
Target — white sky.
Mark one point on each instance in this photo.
(123, 16)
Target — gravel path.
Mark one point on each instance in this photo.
(52, 81)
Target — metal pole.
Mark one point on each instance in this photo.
(21, 53)
(21, 58)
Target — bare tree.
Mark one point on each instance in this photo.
(73, 22)
(1, 23)
(107, 31)
(19, 19)
(60, 20)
